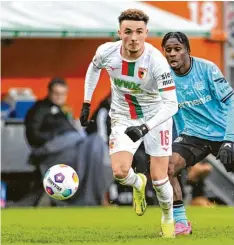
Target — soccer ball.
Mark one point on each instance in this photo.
(61, 182)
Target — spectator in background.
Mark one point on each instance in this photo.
(56, 138)
(50, 117)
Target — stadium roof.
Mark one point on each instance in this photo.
(84, 19)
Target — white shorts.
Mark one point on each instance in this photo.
(158, 141)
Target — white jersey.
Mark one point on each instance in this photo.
(137, 86)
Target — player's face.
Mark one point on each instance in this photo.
(58, 95)
(133, 35)
(176, 54)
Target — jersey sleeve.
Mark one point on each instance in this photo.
(98, 57)
(225, 94)
(91, 80)
(163, 77)
(219, 85)
(229, 134)
(93, 73)
(166, 88)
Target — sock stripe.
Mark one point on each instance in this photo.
(178, 202)
(178, 205)
(166, 208)
(161, 183)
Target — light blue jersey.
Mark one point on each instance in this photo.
(206, 102)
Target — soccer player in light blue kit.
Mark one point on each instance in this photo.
(205, 120)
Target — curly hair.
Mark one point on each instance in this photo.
(180, 36)
(133, 14)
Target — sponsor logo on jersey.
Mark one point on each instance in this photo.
(128, 85)
(191, 103)
(167, 79)
(142, 72)
(168, 82)
(166, 76)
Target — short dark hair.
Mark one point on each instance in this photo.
(133, 14)
(180, 36)
(56, 81)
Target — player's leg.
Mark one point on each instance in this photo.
(195, 180)
(122, 149)
(124, 174)
(164, 192)
(187, 151)
(182, 225)
(158, 146)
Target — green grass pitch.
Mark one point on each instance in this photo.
(111, 225)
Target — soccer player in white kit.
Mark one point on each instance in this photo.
(143, 102)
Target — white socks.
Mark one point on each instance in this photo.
(163, 190)
(132, 179)
(164, 194)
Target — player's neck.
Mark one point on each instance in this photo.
(131, 56)
(185, 68)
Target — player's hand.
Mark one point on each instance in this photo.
(136, 132)
(85, 114)
(226, 155)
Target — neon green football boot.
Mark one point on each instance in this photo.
(139, 201)
(168, 230)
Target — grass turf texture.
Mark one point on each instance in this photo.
(112, 225)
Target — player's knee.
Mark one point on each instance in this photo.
(171, 166)
(176, 164)
(171, 170)
(120, 174)
(120, 171)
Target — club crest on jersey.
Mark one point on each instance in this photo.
(199, 86)
(142, 72)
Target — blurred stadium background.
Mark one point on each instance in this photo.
(41, 40)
